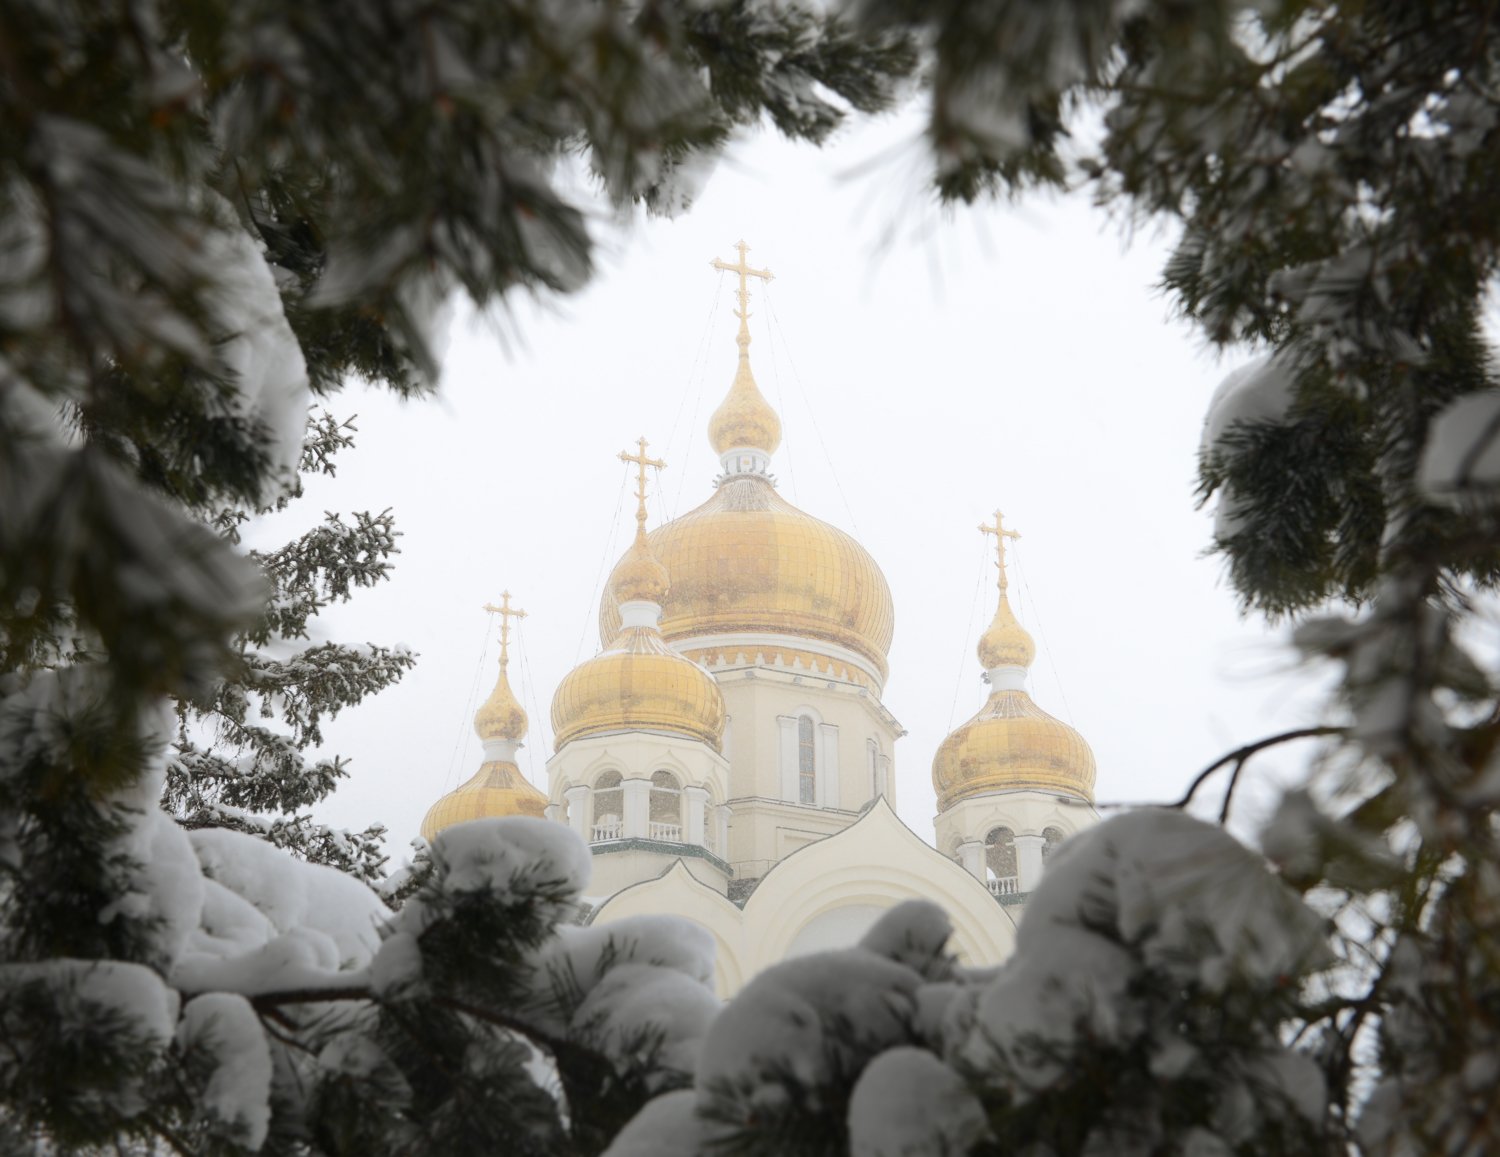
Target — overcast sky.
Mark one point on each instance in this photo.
(927, 368)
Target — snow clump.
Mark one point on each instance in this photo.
(907, 1103)
(237, 1098)
(1462, 452)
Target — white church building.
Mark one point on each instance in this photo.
(727, 756)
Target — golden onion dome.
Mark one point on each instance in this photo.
(744, 418)
(500, 716)
(1005, 643)
(497, 789)
(749, 562)
(1011, 743)
(638, 683)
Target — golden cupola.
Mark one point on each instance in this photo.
(747, 563)
(1011, 743)
(498, 788)
(638, 682)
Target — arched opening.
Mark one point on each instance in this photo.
(665, 820)
(1000, 869)
(609, 807)
(1051, 837)
(807, 760)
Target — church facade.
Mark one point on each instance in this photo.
(727, 755)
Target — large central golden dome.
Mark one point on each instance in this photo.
(749, 562)
(749, 572)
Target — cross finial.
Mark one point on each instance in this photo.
(641, 461)
(506, 613)
(743, 269)
(1001, 534)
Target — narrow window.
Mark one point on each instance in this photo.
(807, 762)
(1053, 837)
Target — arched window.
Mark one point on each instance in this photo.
(1000, 862)
(609, 807)
(807, 760)
(666, 808)
(1053, 837)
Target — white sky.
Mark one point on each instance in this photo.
(928, 367)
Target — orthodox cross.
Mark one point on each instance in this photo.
(506, 613)
(641, 461)
(1001, 534)
(744, 270)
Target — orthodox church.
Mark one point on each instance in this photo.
(727, 756)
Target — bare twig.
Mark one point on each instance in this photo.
(1241, 756)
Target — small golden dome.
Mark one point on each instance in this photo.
(749, 562)
(1006, 643)
(500, 716)
(744, 418)
(497, 789)
(1012, 743)
(638, 684)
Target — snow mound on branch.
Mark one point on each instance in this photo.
(646, 1012)
(1155, 890)
(1262, 391)
(237, 1098)
(494, 855)
(164, 886)
(666, 1127)
(809, 1018)
(913, 933)
(907, 1103)
(260, 354)
(1462, 452)
(582, 956)
(230, 924)
(293, 895)
(671, 958)
(86, 992)
(397, 966)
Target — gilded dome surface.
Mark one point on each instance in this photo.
(1012, 743)
(638, 683)
(500, 716)
(1006, 643)
(744, 418)
(749, 562)
(497, 789)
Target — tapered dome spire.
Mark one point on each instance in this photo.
(1005, 643)
(1011, 743)
(500, 717)
(638, 683)
(498, 788)
(744, 430)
